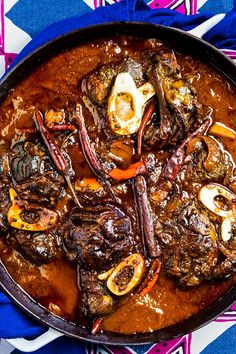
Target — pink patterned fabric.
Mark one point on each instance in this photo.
(185, 7)
(2, 30)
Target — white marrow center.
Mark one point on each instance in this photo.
(220, 200)
(126, 103)
(208, 196)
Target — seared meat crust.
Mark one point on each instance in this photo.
(98, 84)
(98, 239)
(189, 251)
(102, 237)
(39, 247)
(34, 173)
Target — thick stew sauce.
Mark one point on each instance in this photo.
(117, 185)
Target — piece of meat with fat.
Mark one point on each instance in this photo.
(33, 173)
(42, 188)
(27, 159)
(37, 247)
(179, 111)
(227, 265)
(189, 246)
(99, 302)
(208, 162)
(98, 239)
(98, 84)
(191, 238)
(4, 205)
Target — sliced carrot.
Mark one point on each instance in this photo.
(61, 127)
(222, 131)
(132, 171)
(87, 183)
(53, 117)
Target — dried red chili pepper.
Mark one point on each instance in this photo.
(145, 120)
(97, 326)
(55, 128)
(88, 149)
(62, 127)
(49, 141)
(177, 159)
(151, 279)
(130, 172)
(26, 130)
(145, 217)
(90, 154)
(55, 152)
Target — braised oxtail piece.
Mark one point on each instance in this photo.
(55, 153)
(98, 84)
(103, 238)
(145, 216)
(207, 160)
(179, 95)
(178, 107)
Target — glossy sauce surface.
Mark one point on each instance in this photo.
(54, 85)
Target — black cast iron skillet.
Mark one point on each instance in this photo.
(181, 41)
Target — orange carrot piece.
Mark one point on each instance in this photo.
(61, 127)
(132, 171)
(87, 183)
(54, 117)
(222, 131)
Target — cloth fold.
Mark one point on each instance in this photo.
(13, 322)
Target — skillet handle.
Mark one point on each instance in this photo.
(29, 346)
(204, 27)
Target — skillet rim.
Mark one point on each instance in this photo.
(221, 63)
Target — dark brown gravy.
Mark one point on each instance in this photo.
(54, 85)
